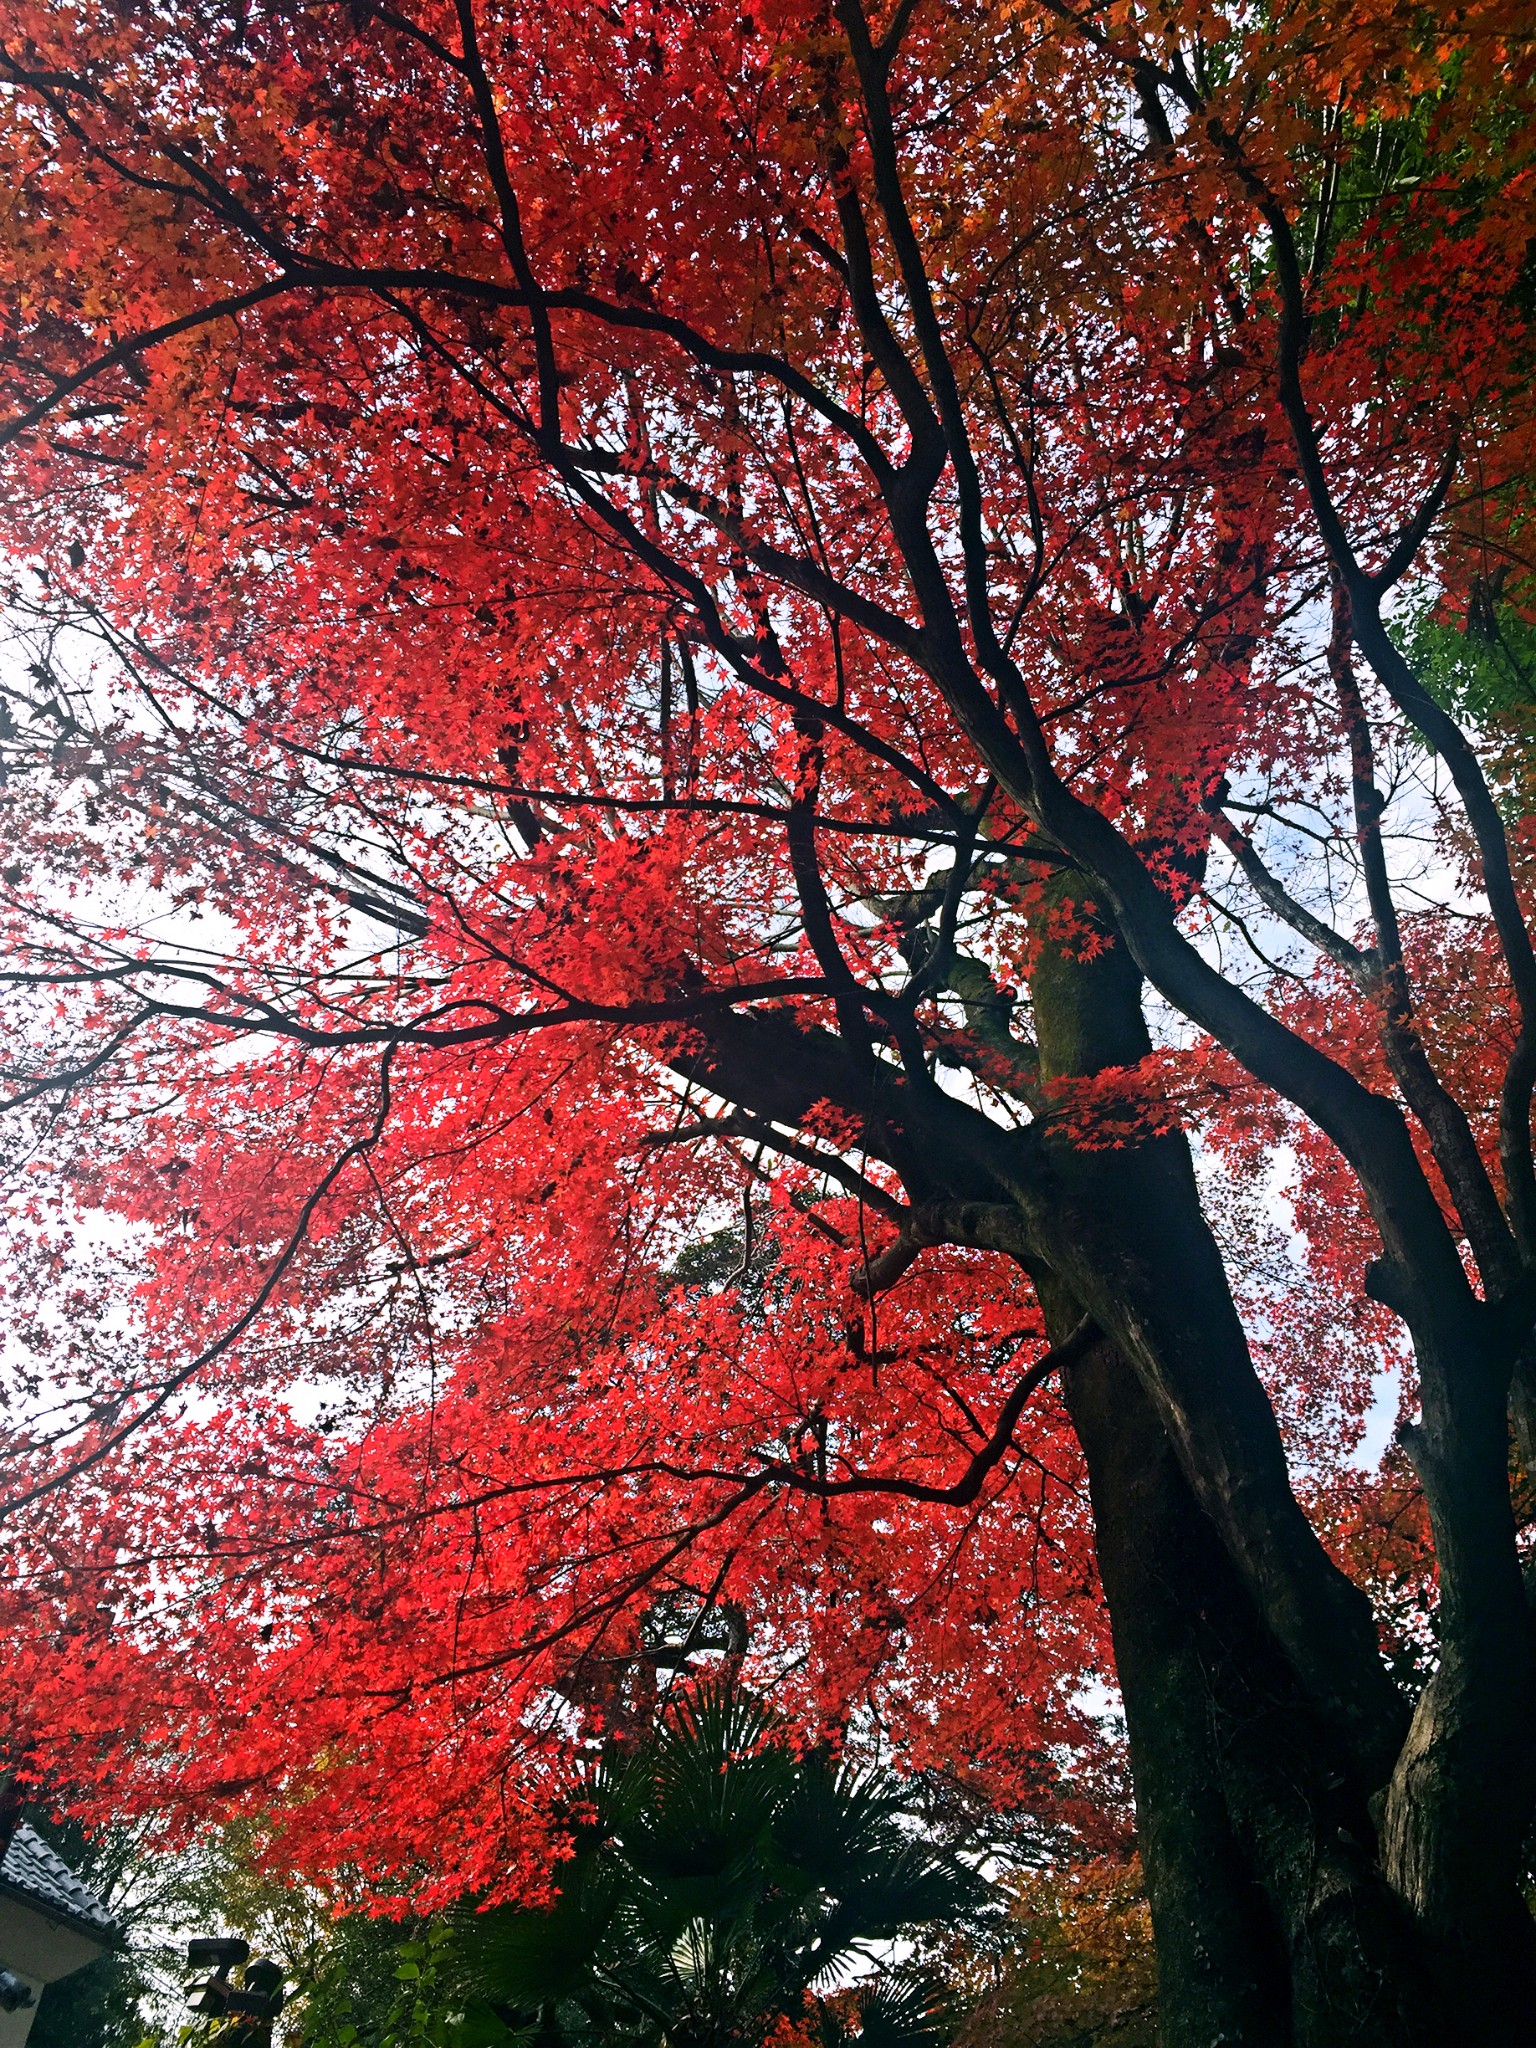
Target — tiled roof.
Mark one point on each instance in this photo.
(40, 1878)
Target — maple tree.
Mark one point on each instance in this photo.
(685, 670)
(1083, 1975)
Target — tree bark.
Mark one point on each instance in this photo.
(1274, 1908)
(1272, 1924)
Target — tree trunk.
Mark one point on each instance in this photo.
(1272, 1923)
(1274, 1916)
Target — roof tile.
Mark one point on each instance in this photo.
(39, 1877)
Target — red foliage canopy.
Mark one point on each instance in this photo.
(587, 571)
